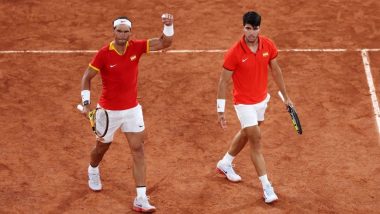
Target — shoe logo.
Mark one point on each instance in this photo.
(244, 60)
(224, 171)
(141, 126)
(111, 66)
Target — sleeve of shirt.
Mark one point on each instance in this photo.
(230, 61)
(273, 51)
(97, 62)
(142, 46)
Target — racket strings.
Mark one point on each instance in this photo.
(101, 121)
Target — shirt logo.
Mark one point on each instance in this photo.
(244, 60)
(265, 54)
(133, 57)
(111, 66)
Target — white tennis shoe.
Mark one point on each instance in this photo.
(228, 171)
(269, 195)
(94, 182)
(141, 204)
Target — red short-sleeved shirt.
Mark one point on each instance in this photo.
(119, 74)
(250, 70)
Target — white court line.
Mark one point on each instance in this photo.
(364, 53)
(46, 51)
(371, 86)
(181, 51)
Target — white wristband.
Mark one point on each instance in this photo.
(168, 30)
(220, 105)
(85, 96)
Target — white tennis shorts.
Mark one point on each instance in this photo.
(250, 115)
(130, 120)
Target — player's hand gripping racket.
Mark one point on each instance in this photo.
(98, 120)
(293, 115)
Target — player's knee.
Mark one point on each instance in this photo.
(138, 153)
(253, 134)
(255, 142)
(137, 148)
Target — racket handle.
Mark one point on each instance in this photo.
(281, 97)
(80, 107)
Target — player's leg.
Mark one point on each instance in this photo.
(247, 117)
(225, 166)
(133, 127)
(136, 145)
(98, 152)
(254, 135)
(238, 143)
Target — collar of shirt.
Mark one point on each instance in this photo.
(112, 47)
(245, 47)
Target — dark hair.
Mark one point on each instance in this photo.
(252, 18)
(120, 17)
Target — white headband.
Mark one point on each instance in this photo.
(122, 22)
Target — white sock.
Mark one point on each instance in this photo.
(264, 181)
(93, 169)
(141, 191)
(228, 158)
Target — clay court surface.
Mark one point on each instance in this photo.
(334, 167)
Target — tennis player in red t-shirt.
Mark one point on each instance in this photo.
(247, 62)
(117, 64)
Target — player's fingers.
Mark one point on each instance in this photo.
(167, 16)
(83, 110)
(223, 123)
(167, 19)
(289, 103)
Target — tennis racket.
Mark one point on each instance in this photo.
(293, 115)
(99, 120)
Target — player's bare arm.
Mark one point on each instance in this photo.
(225, 78)
(278, 78)
(166, 38)
(86, 86)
